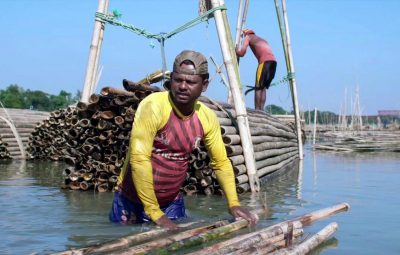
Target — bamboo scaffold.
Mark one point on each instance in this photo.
(227, 48)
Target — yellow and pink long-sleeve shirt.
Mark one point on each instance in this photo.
(157, 160)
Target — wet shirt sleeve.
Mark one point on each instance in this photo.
(219, 159)
(148, 119)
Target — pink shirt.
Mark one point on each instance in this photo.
(259, 46)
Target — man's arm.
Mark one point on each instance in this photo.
(145, 127)
(241, 51)
(224, 171)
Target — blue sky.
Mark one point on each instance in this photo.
(337, 45)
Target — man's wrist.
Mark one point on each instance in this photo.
(156, 215)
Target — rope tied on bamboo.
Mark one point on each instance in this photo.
(160, 37)
(113, 20)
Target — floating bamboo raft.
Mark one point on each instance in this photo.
(362, 141)
(280, 238)
(94, 138)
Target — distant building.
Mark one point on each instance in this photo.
(391, 113)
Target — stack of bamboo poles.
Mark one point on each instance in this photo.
(21, 123)
(94, 137)
(362, 141)
(49, 138)
(4, 153)
(274, 143)
(280, 238)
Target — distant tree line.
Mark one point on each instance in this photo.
(16, 97)
(323, 117)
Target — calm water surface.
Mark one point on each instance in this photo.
(39, 217)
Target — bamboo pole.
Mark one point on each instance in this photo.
(253, 116)
(290, 69)
(95, 45)
(241, 21)
(273, 152)
(254, 237)
(206, 236)
(96, 69)
(227, 49)
(311, 243)
(123, 242)
(309, 218)
(268, 169)
(247, 240)
(315, 125)
(239, 24)
(268, 245)
(274, 160)
(293, 81)
(273, 145)
(224, 81)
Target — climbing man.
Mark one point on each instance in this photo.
(167, 127)
(266, 65)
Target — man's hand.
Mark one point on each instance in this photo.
(238, 211)
(165, 222)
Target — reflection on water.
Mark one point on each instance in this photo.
(38, 216)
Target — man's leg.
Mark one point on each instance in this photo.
(176, 209)
(126, 212)
(260, 98)
(257, 88)
(122, 210)
(266, 76)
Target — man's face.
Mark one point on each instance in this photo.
(185, 88)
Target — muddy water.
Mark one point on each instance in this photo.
(39, 217)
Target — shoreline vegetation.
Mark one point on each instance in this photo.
(15, 96)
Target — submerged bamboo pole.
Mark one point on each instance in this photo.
(126, 241)
(227, 49)
(306, 246)
(268, 245)
(189, 237)
(245, 241)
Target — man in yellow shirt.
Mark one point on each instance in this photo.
(167, 127)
